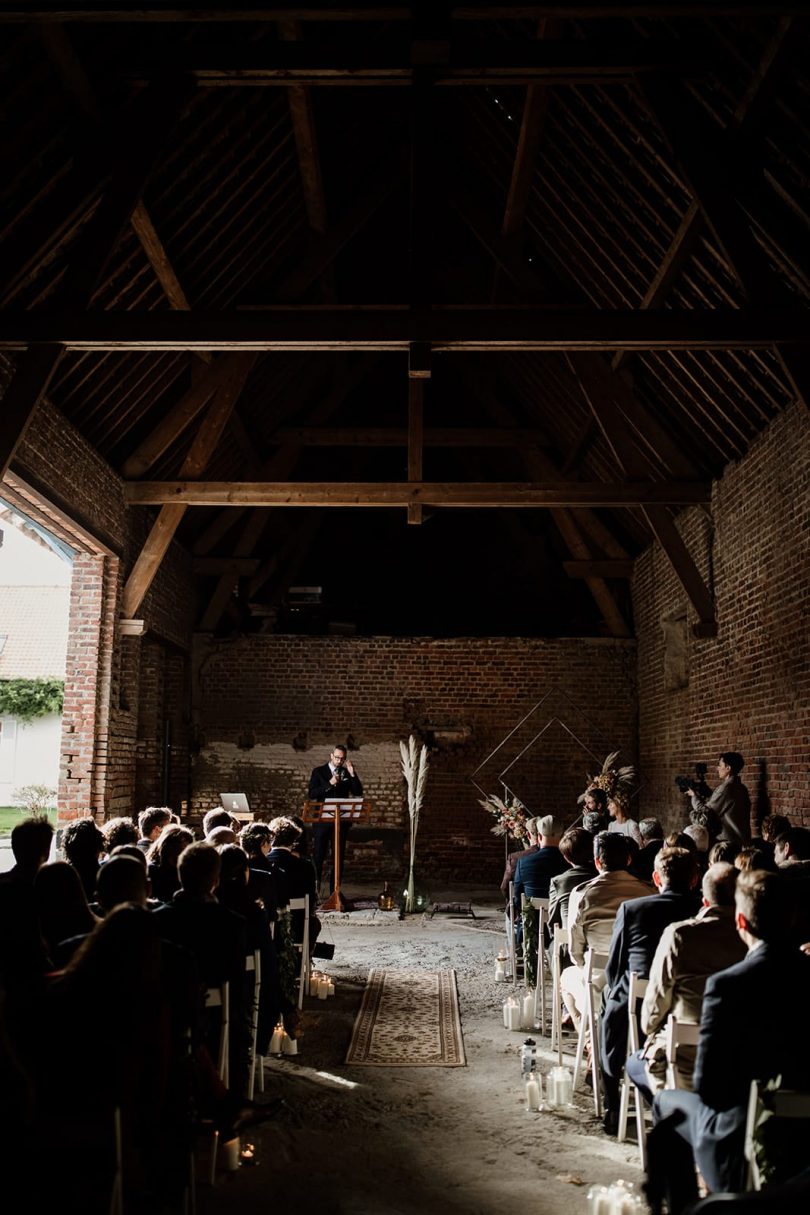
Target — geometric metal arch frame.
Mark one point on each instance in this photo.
(551, 720)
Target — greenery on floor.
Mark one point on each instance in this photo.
(11, 815)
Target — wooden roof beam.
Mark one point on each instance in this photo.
(393, 436)
(529, 494)
(391, 328)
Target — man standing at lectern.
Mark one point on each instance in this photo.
(337, 778)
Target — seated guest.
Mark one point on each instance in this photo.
(119, 831)
(722, 853)
(792, 857)
(218, 817)
(162, 860)
(121, 879)
(295, 876)
(792, 849)
(513, 858)
(595, 810)
(751, 857)
(652, 841)
(592, 911)
(151, 822)
(62, 907)
(636, 933)
(742, 1038)
(686, 955)
(215, 937)
(220, 836)
(773, 825)
(22, 952)
(621, 820)
(576, 849)
(533, 872)
(700, 836)
(83, 844)
(256, 840)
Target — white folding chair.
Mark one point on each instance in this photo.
(253, 965)
(636, 991)
(303, 947)
(219, 997)
(679, 1033)
(784, 1103)
(541, 906)
(593, 974)
(560, 942)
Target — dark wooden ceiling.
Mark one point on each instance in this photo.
(491, 254)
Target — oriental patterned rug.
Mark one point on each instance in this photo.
(408, 1018)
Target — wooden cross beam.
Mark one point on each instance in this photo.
(391, 494)
(394, 328)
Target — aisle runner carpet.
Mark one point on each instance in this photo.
(408, 1018)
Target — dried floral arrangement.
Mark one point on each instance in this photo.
(511, 816)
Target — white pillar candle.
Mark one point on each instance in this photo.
(513, 1015)
(533, 1083)
(289, 1045)
(331, 988)
(314, 981)
(500, 970)
(323, 989)
(528, 1010)
(229, 1154)
(276, 1040)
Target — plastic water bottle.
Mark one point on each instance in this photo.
(528, 1057)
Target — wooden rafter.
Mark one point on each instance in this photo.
(393, 436)
(629, 459)
(143, 134)
(170, 516)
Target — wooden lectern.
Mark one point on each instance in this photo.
(335, 810)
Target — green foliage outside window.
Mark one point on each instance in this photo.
(27, 699)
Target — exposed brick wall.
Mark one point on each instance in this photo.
(748, 689)
(269, 708)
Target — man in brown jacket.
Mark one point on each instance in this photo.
(592, 911)
(687, 954)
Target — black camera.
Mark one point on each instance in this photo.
(686, 783)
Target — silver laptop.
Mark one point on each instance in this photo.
(236, 804)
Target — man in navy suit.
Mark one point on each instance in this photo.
(636, 933)
(337, 778)
(750, 1029)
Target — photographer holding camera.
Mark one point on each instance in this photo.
(337, 778)
(729, 800)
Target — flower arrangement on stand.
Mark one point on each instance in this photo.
(611, 779)
(510, 816)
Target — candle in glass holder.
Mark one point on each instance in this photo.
(289, 1046)
(599, 1201)
(500, 970)
(248, 1154)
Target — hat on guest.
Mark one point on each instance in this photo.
(547, 826)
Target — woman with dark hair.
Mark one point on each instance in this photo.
(62, 907)
(162, 859)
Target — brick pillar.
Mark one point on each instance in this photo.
(88, 686)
